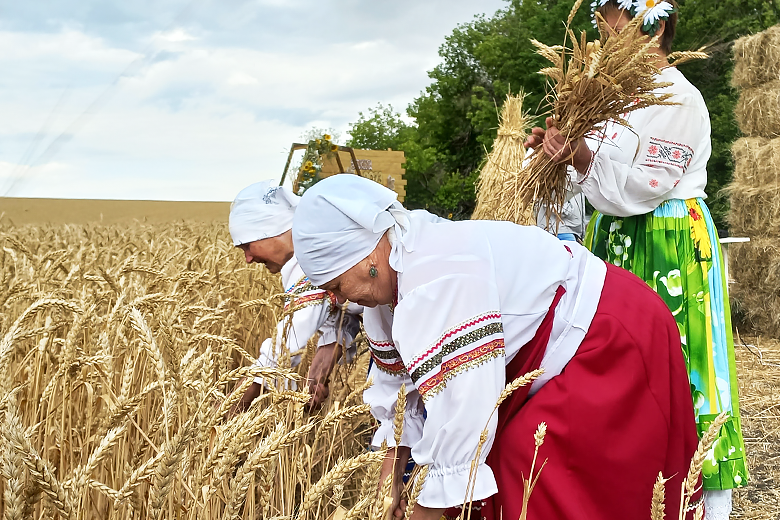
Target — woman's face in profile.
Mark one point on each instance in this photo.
(357, 285)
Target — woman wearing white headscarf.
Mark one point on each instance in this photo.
(260, 224)
(455, 310)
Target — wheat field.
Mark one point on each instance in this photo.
(123, 347)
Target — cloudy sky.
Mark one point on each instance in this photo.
(194, 99)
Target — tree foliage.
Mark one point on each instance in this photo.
(456, 117)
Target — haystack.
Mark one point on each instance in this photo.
(758, 110)
(501, 175)
(757, 59)
(755, 267)
(755, 189)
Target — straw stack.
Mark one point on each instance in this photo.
(755, 189)
(501, 175)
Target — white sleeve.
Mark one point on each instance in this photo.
(667, 145)
(389, 373)
(453, 348)
(311, 308)
(341, 326)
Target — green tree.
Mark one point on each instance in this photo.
(456, 117)
(718, 24)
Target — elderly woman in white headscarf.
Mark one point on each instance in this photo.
(456, 310)
(260, 224)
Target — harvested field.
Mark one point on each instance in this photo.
(758, 365)
(22, 211)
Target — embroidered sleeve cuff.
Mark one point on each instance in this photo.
(446, 487)
(413, 430)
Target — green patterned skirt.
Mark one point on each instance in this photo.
(675, 249)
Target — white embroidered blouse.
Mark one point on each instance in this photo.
(470, 295)
(662, 156)
(315, 311)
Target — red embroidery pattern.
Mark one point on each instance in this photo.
(386, 357)
(396, 369)
(381, 344)
(454, 366)
(669, 153)
(459, 328)
(676, 182)
(694, 214)
(653, 183)
(309, 299)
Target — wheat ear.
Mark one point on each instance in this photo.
(336, 476)
(416, 490)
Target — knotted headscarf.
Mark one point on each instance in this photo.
(340, 221)
(260, 211)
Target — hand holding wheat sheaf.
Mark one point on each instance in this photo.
(591, 83)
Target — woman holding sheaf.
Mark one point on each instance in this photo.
(647, 185)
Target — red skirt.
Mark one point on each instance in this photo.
(618, 414)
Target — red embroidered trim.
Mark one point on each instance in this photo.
(450, 333)
(393, 368)
(669, 153)
(381, 344)
(309, 298)
(451, 367)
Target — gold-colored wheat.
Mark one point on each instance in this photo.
(591, 83)
(502, 174)
(123, 348)
(119, 347)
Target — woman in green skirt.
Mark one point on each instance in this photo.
(647, 185)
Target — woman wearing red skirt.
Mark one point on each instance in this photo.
(455, 310)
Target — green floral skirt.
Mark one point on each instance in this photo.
(675, 249)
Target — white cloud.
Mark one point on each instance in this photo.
(208, 104)
(176, 35)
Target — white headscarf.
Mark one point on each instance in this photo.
(340, 221)
(261, 211)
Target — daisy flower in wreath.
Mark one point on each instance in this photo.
(626, 5)
(653, 11)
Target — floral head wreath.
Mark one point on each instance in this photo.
(652, 11)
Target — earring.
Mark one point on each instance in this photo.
(372, 272)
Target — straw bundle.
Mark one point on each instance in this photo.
(501, 176)
(757, 59)
(755, 188)
(755, 267)
(758, 110)
(592, 82)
